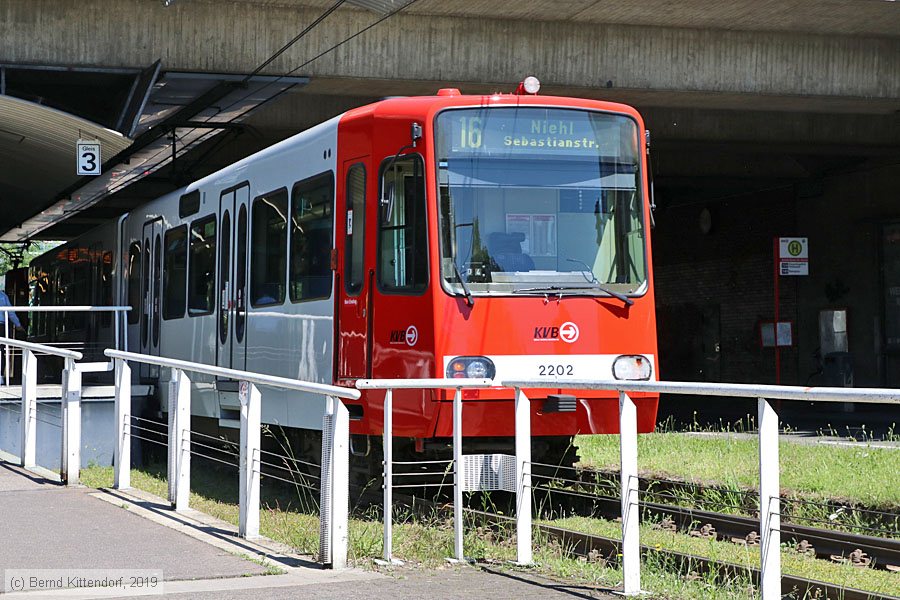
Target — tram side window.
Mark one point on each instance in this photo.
(402, 248)
(174, 267)
(312, 238)
(355, 223)
(62, 277)
(134, 283)
(202, 267)
(39, 280)
(79, 289)
(268, 247)
(106, 287)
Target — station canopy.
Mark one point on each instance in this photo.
(142, 118)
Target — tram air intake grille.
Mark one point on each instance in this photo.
(488, 472)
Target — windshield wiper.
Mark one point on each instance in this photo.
(561, 289)
(470, 300)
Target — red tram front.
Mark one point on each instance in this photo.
(501, 236)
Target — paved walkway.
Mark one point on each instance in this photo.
(47, 526)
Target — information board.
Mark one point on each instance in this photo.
(793, 256)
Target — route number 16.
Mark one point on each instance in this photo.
(88, 157)
(470, 132)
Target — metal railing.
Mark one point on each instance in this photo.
(119, 326)
(424, 384)
(70, 405)
(769, 513)
(334, 493)
(769, 503)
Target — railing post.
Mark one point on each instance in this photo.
(457, 477)
(179, 440)
(251, 410)
(123, 425)
(769, 506)
(631, 545)
(523, 479)
(28, 448)
(70, 407)
(334, 499)
(5, 373)
(116, 324)
(388, 444)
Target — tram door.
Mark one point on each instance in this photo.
(151, 288)
(95, 252)
(234, 219)
(354, 307)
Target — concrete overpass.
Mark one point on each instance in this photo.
(774, 117)
(773, 80)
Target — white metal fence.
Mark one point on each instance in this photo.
(120, 327)
(70, 405)
(769, 513)
(334, 494)
(423, 384)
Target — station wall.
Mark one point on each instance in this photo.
(714, 288)
(852, 268)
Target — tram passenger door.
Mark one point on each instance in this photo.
(151, 287)
(354, 311)
(234, 218)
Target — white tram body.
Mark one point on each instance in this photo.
(199, 221)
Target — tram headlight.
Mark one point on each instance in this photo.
(632, 368)
(471, 367)
(477, 369)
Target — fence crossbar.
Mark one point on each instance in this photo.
(118, 310)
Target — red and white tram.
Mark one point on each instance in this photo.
(502, 236)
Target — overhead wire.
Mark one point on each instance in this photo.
(354, 36)
(296, 39)
(321, 54)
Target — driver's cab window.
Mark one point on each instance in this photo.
(402, 247)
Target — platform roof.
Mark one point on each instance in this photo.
(165, 115)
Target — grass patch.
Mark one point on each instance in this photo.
(861, 475)
(792, 562)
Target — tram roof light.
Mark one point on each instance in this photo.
(530, 85)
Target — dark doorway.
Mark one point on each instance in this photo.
(689, 342)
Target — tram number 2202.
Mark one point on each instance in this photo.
(559, 370)
(470, 133)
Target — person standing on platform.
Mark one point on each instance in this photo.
(13, 320)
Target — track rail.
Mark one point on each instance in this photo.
(882, 553)
(587, 545)
(582, 544)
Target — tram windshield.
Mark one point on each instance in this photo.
(539, 199)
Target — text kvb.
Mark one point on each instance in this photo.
(546, 333)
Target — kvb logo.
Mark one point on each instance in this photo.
(408, 336)
(567, 332)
